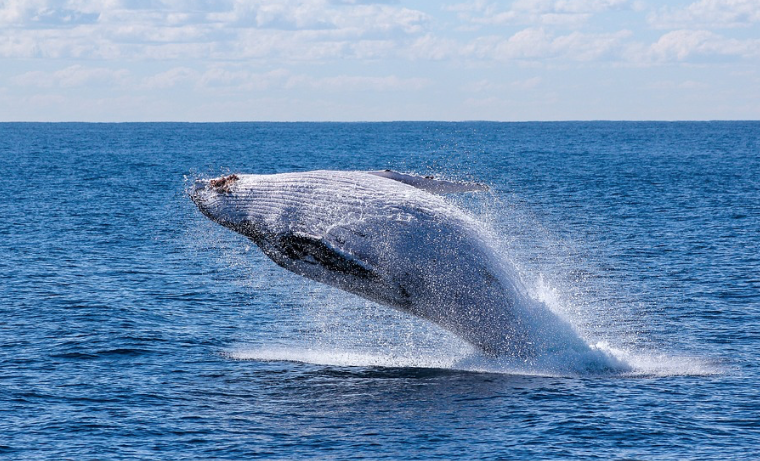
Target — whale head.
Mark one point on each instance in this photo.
(298, 223)
(215, 199)
(244, 204)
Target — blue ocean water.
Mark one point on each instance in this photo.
(131, 327)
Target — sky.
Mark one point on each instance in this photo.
(333, 60)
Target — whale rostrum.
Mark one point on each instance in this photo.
(393, 239)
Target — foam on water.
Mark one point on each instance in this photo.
(342, 358)
(653, 363)
(620, 363)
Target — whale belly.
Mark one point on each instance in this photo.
(432, 268)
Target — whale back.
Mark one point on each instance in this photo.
(316, 200)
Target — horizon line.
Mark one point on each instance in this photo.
(383, 121)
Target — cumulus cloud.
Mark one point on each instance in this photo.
(235, 79)
(216, 78)
(708, 14)
(284, 79)
(43, 13)
(306, 29)
(360, 83)
(334, 18)
(576, 46)
(74, 77)
(296, 51)
(535, 12)
(170, 78)
(288, 31)
(680, 45)
(490, 86)
(674, 85)
(537, 44)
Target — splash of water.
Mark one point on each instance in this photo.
(571, 365)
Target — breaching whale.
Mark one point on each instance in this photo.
(393, 239)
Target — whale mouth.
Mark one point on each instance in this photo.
(198, 192)
(203, 195)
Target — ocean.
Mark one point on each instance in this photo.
(132, 327)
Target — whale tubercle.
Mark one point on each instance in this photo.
(223, 184)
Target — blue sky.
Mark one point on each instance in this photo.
(153, 60)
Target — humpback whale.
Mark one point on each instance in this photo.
(393, 239)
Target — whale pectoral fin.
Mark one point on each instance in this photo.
(429, 184)
(319, 251)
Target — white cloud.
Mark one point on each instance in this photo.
(527, 44)
(535, 44)
(591, 47)
(347, 19)
(708, 14)
(306, 29)
(288, 31)
(431, 47)
(483, 86)
(674, 85)
(74, 77)
(42, 13)
(369, 83)
(339, 53)
(224, 79)
(170, 78)
(532, 44)
(46, 100)
(680, 45)
(528, 84)
(587, 6)
(234, 79)
(490, 86)
(284, 80)
(536, 12)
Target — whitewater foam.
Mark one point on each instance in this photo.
(615, 363)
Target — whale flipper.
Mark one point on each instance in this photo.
(429, 184)
(311, 249)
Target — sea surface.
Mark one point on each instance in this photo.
(132, 327)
